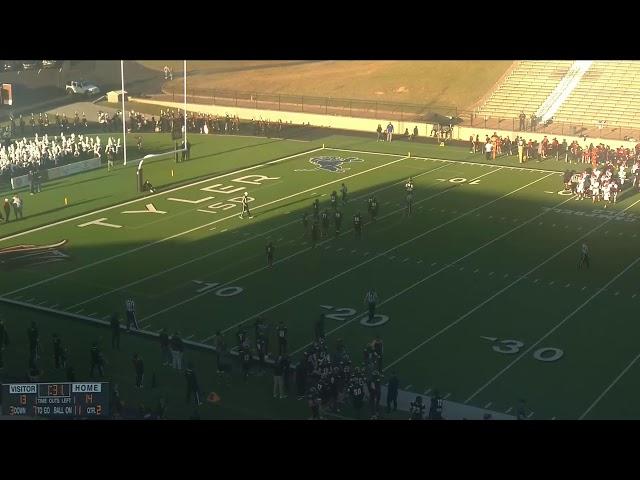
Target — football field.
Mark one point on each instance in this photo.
(480, 294)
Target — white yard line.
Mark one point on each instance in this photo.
(358, 317)
(565, 319)
(460, 162)
(609, 387)
(162, 240)
(120, 205)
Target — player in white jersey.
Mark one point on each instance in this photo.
(580, 189)
(595, 190)
(245, 206)
(606, 193)
(622, 174)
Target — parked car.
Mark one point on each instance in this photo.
(81, 87)
(50, 63)
(10, 66)
(31, 64)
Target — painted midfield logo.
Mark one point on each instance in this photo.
(27, 255)
(330, 164)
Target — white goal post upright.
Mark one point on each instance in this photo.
(124, 124)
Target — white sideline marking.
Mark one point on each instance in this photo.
(434, 264)
(120, 205)
(488, 405)
(426, 392)
(446, 396)
(30, 300)
(42, 303)
(126, 252)
(508, 410)
(565, 319)
(92, 314)
(54, 305)
(530, 415)
(504, 289)
(408, 387)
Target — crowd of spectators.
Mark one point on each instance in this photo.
(18, 157)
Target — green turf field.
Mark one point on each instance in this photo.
(480, 294)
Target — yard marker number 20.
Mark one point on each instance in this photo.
(341, 314)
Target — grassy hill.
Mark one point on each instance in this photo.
(455, 83)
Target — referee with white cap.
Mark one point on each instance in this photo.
(130, 307)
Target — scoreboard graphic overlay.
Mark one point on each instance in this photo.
(56, 400)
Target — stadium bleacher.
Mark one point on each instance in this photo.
(525, 88)
(609, 91)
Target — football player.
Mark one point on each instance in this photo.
(357, 395)
(316, 209)
(409, 185)
(357, 225)
(334, 200)
(435, 410)
(374, 209)
(324, 218)
(409, 199)
(343, 191)
(314, 233)
(245, 206)
(337, 218)
(584, 256)
(270, 252)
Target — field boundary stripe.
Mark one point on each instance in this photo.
(175, 189)
(558, 325)
(175, 267)
(185, 232)
(509, 167)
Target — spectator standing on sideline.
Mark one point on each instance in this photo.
(165, 352)
(218, 343)
(57, 351)
(17, 206)
(96, 360)
(34, 341)
(7, 209)
(192, 384)
(138, 367)
(389, 132)
(4, 341)
(177, 350)
(392, 392)
(115, 331)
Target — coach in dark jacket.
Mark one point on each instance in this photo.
(392, 392)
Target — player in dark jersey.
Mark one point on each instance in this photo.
(337, 218)
(316, 209)
(261, 349)
(416, 409)
(315, 229)
(373, 209)
(435, 410)
(324, 219)
(270, 252)
(334, 200)
(409, 201)
(281, 333)
(245, 357)
(374, 394)
(357, 225)
(357, 395)
(343, 191)
(305, 224)
(34, 342)
(242, 337)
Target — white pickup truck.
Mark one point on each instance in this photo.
(80, 87)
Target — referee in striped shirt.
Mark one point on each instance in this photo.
(130, 307)
(370, 299)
